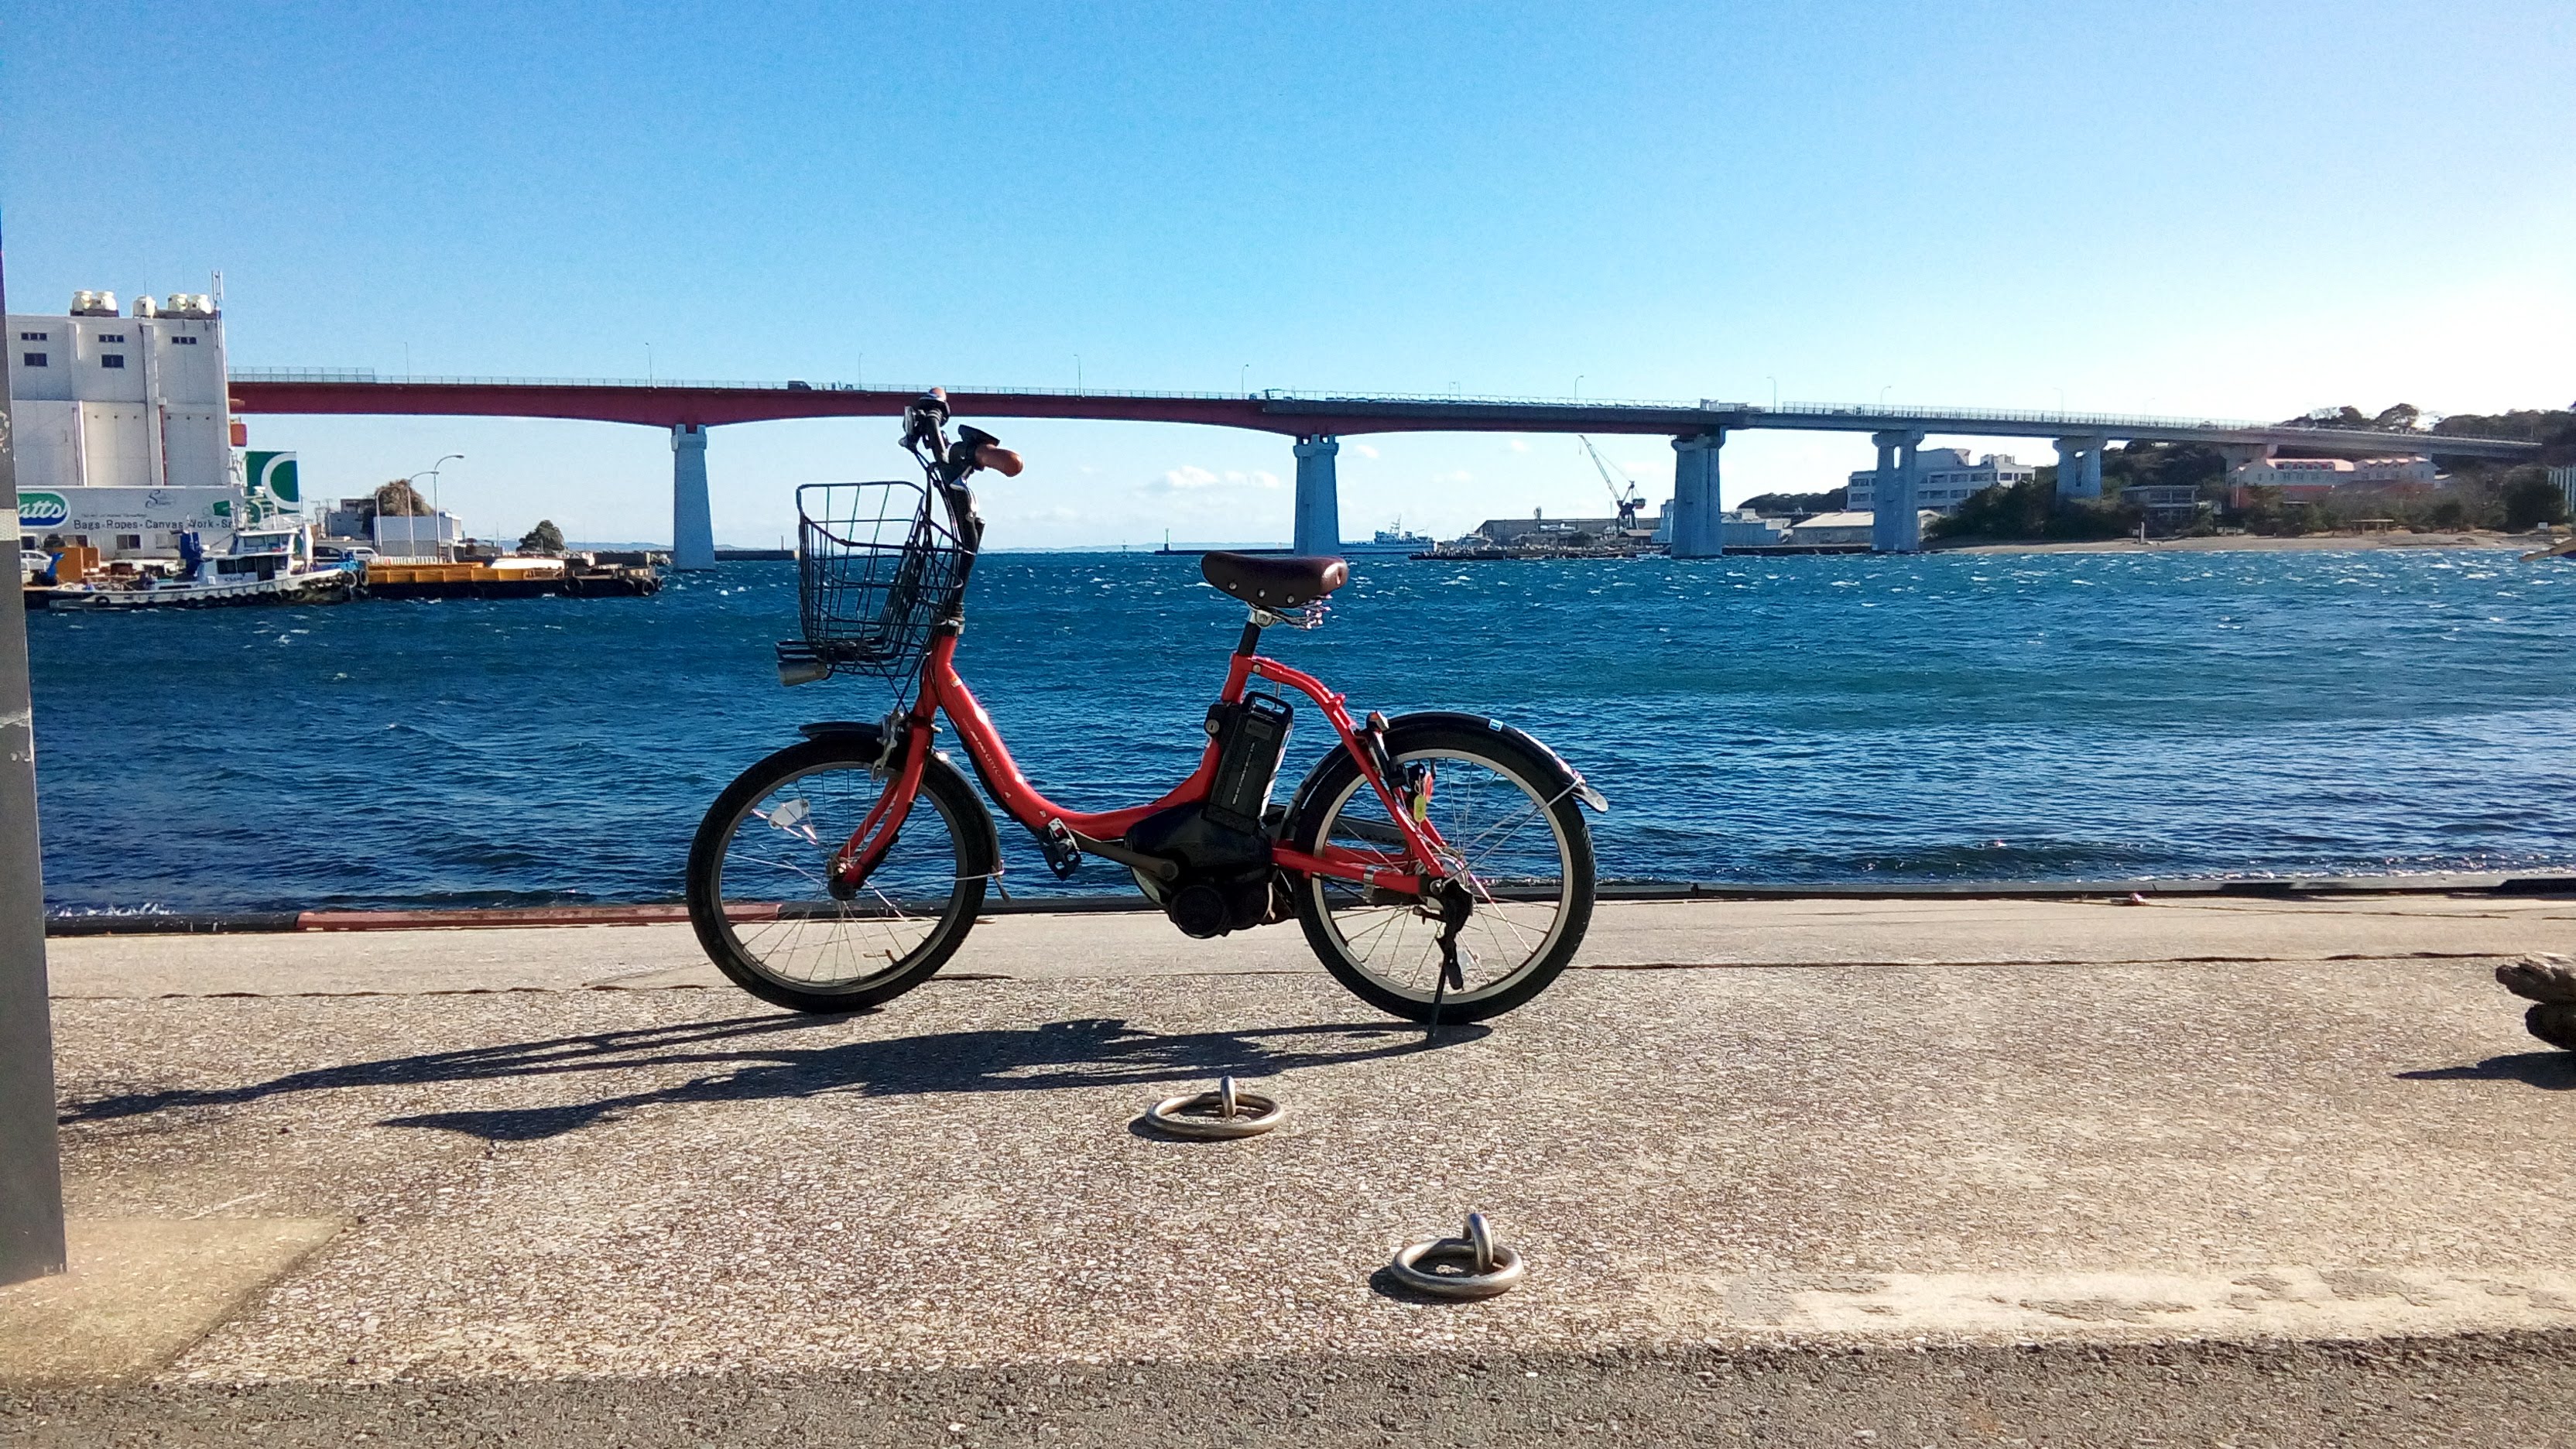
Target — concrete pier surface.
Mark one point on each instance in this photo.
(1872, 1172)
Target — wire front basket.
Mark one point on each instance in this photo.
(877, 564)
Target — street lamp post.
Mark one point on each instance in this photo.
(433, 477)
(1775, 391)
(411, 533)
(1578, 387)
(1243, 380)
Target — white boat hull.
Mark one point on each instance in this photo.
(319, 586)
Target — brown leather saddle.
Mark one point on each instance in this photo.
(1267, 582)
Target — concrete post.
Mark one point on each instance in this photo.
(1698, 530)
(1893, 526)
(693, 529)
(2079, 467)
(31, 1175)
(1319, 506)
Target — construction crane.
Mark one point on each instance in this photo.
(1627, 503)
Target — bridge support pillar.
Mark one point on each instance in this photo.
(1319, 507)
(1698, 525)
(1894, 524)
(2079, 467)
(2237, 455)
(693, 531)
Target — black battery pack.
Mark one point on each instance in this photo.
(1250, 739)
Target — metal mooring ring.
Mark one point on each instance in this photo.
(1225, 1112)
(1482, 1266)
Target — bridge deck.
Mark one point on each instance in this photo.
(712, 404)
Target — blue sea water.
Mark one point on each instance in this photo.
(1836, 719)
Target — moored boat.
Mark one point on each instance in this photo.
(269, 564)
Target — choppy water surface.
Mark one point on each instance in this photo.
(1775, 720)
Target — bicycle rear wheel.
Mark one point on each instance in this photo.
(767, 912)
(1515, 835)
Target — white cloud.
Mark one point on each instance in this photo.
(1517, 445)
(1364, 450)
(1454, 475)
(1191, 478)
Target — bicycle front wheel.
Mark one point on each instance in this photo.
(1512, 832)
(771, 918)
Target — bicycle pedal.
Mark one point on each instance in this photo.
(1063, 857)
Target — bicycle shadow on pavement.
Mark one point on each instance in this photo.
(2551, 1071)
(762, 1058)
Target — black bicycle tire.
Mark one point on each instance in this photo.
(1337, 769)
(970, 826)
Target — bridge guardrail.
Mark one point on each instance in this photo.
(2041, 422)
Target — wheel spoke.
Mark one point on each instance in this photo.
(1484, 814)
(827, 940)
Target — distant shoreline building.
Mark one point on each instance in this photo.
(124, 431)
(2309, 480)
(1943, 479)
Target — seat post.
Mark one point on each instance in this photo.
(1251, 640)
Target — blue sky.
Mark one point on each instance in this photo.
(2243, 210)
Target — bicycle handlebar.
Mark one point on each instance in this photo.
(925, 434)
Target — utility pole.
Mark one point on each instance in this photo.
(31, 1168)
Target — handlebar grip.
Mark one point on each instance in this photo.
(1000, 460)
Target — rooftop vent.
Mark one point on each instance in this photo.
(93, 304)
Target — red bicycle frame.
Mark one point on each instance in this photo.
(941, 688)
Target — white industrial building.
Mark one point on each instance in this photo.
(1943, 479)
(123, 429)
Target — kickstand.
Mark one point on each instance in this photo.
(1454, 905)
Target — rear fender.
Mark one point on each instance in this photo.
(1567, 777)
(1563, 777)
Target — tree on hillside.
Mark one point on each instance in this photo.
(544, 538)
(2162, 465)
(1802, 505)
(2530, 499)
(2553, 428)
(2030, 511)
(398, 499)
(2404, 417)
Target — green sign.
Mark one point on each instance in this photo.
(273, 474)
(42, 510)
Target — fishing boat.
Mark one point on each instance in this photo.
(271, 563)
(1396, 541)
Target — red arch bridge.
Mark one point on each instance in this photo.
(1315, 422)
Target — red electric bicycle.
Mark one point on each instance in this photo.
(1439, 862)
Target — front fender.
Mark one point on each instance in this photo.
(870, 731)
